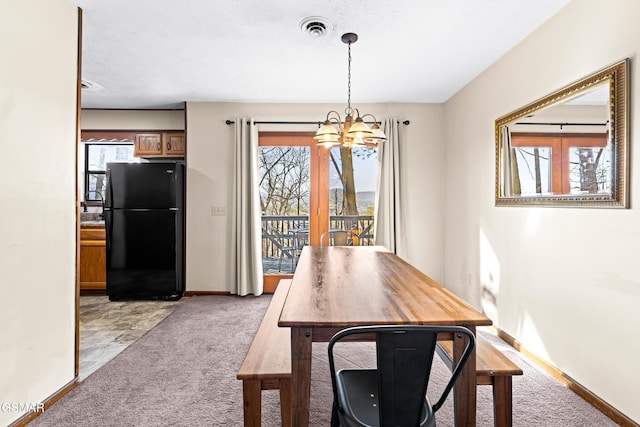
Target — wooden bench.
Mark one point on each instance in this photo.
(492, 368)
(267, 365)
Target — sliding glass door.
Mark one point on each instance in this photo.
(307, 190)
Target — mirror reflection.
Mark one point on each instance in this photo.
(567, 149)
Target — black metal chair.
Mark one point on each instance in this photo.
(394, 394)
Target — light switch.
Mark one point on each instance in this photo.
(218, 211)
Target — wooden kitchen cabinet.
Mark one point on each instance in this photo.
(93, 261)
(147, 145)
(159, 144)
(173, 144)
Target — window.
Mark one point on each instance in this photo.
(96, 156)
(101, 147)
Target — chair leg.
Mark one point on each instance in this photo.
(280, 262)
(335, 420)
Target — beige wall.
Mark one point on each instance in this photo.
(37, 195)
(209, 180)
(132, 119)
(567, 280)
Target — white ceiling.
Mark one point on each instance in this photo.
(160, 53)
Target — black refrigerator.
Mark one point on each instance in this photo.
(144, 221)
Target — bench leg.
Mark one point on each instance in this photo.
(252, 402)
(502, 401)
(285, 402)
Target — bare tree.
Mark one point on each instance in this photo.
(348, 182)
(345, 173)
(284, 180)
(336, 201)
(589, 169)
(536, 162)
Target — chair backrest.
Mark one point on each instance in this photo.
(404, 356)
(337, 238)
(276, 236)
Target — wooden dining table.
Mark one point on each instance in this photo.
(338, 287)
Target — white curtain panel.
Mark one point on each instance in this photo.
(388, 222)
(505, 165)
(246, 251)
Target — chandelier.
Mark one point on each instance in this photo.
(352, 132)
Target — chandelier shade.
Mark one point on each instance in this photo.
(328, 135)
(377, 134)
(351, 132)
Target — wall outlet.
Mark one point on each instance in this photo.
(218, 211)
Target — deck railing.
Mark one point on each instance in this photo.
(279, 232)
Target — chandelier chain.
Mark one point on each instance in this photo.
(349, 82)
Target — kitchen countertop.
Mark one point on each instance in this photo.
(91, 220)
(92, 224)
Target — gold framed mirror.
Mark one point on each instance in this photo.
(568, 148)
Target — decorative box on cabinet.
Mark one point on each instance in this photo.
(159, 144)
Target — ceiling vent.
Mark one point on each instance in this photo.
(316, 26)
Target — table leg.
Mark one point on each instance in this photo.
(301, 339)
(464, 392)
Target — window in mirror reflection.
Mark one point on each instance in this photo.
(547, 163)
(590, 171)
(531, 174)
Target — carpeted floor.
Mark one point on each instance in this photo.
(108, 327)
(183, 373)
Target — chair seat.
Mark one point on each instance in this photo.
(358, 396)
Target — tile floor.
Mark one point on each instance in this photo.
(108, 327)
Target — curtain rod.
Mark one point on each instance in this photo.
(563, 124)
(230, 122)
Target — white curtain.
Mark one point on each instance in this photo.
(389, 221)
(246, 251)
(505, 165)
